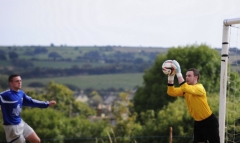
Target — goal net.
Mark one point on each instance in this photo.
(229, 99)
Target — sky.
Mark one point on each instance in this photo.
(145, 23)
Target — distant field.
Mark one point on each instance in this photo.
(125, 81)
(138, 49)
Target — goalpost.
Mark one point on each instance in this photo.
(227, 24)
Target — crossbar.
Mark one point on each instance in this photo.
(228, 22)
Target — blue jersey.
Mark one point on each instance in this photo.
(11, 105)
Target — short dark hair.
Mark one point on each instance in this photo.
(12, 76)
(195, 72)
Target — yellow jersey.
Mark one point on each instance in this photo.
(196, 99)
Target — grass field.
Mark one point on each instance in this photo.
(125, 81)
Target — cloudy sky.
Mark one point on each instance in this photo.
(151, 23)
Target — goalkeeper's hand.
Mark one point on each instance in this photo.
(171, 78)
(178, 68)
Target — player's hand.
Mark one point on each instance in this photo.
(171, 77)
(177, 67)
(52, 103)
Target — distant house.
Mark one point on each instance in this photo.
(82, 97)
(104, 112)
(132, 94)
(109, 98)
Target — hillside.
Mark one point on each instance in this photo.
(38, 64)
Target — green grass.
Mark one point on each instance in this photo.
(125, 81)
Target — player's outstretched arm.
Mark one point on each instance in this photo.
(52, 103)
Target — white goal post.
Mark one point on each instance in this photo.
(224, 75)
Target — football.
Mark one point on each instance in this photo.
(167, 68)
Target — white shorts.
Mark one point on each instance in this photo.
(17, 133)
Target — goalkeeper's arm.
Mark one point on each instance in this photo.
(178, 71)
(180, 80)
(171, 79)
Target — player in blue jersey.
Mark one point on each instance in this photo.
(11, 102)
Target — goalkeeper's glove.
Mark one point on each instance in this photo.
(177, 67)
(171, 77)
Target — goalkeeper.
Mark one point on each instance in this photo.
(206, 126)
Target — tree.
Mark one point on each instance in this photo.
(22, 63)
(66, 120)
(40, 50)
(3, 82)
(138, 61)
(54, 126)
(153, 94)
(3, 57)
(54, 55)
(47, 123)
(126, 126)
(96, 99)
(13, 55)
(175, 115)
(66, 102)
